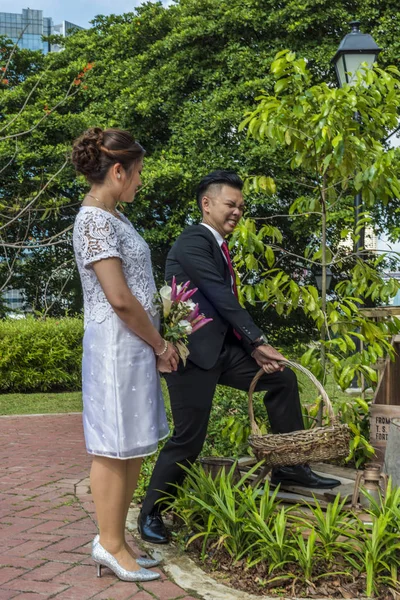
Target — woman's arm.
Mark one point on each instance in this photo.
(112, 280)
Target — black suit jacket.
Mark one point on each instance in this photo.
(197, 257)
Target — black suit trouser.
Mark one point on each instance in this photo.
(191, 391)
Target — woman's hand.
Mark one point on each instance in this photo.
(169, 360)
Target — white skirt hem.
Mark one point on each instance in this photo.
(129, 457)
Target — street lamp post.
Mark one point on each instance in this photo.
(318, 278)
(356, 50)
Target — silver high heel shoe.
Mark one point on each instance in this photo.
(142, 561)
(104, 559)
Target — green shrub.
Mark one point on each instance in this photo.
(40, 355)
(229, 425)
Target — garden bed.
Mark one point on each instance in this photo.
(255, 542)
(258, 581)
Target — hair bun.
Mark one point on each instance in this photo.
(97, 150)
(86, 153)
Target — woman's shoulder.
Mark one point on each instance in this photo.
(92, 216)
(90, 213)
(94, 223)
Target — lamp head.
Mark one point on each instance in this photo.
(355, 49)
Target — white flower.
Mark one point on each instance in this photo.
(186, 326)
(190, 305)
(165, 294)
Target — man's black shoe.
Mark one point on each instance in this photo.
(302, 476)
(152, 528)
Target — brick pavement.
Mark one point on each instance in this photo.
(47, 517)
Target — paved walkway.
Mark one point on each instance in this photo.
(47, 517)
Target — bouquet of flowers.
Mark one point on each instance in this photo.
(181, 315)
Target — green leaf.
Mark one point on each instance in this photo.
(251, 262)
(334, 316)
(281, 85)
(306, 357)
(249, 293)
(327, 162)
(350, 342)
(267, 184)
(337, 139)
(269, 256)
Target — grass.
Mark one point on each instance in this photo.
(40, 403)
(50, 402)
(308, 391)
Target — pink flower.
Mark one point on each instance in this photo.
(188, 294)
(182, 291)
(200, 324)
(173, 291)
(193, 314)
(179, 310)
(197, 319)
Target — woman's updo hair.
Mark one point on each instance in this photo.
(96, 150)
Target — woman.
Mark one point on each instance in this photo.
(123, 409)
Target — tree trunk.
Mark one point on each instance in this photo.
(392, 454)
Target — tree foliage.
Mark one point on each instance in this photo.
(180, 77)
(333, 155)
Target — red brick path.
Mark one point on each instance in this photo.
(47, 517)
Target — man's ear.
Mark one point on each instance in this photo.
(205, 203)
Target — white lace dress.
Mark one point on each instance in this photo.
(123, 407)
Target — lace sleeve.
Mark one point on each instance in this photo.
(99, 239)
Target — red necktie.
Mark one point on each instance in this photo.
(225, 250)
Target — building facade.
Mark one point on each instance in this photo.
(14, 300)
(64, 29)
(28, 28)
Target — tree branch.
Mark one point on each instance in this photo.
(26, 208)
(62, 266)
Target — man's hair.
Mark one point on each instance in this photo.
(217, 178)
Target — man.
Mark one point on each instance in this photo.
(228, 351)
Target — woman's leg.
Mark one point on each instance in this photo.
(109, 485)
(133, 471)
(133, 467)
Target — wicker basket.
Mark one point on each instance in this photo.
(298, 447)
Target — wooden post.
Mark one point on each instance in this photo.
(392, 454)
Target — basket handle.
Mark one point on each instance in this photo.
(328, 405)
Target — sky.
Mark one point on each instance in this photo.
(79, 12)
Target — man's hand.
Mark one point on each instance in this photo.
(267, 358)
